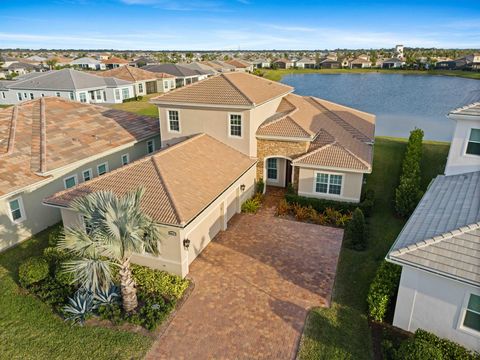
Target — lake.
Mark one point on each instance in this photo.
(400, 102)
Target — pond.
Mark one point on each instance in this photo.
(400, 102)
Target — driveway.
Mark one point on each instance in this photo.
(254, 285)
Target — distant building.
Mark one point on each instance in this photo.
(393, 63)
(88, 63)
(330, 64)
(399, 53)
(283, 63)
(306, 63)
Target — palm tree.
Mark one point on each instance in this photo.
(115, 228)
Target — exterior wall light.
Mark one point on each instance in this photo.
(242, 187)
(186, 243)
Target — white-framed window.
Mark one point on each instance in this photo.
(117, 94)
(166, 84)
(57, 94)
(87, 174)
(235, 125)
(326, 183)
(25, 96)
(125, 159)
(32, 96)
(71, 95)
(140, 87)
(70, 181)
(99, 95)
(102, 168)
(83, 97)
(19, 96)
(173, 121)
(471, 314)
(3, 94)
(272, 169)
(473, 144)
(150, 146)
(17, 211)
(125, 93)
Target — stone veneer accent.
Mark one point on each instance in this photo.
(290, 149)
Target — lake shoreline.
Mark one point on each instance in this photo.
(277, 75)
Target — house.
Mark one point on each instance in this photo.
(183, 76)
(22, 68)
(200, 67)
(439, 247)
(261, 63)
(88, 63)
(143, 61)
(145, 82)
(360, 63)
(240, 65)
(114, 62)
(306, 63)
(446, 65)
(68, 84)
(283, 64)
(219, 66)
(330, 64)
(399, 52)
(323, 148)
(393, 63)
(51, 143)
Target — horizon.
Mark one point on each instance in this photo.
(240, 25)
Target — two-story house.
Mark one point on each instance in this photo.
(439, 247)
(50, 144)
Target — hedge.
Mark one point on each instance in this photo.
(408, 193)
(382, 290)
(320, 205)
(418, 349)
(449, 349)
(33, 270)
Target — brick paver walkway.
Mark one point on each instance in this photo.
(253, 287)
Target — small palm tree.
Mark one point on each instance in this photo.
(115, 228)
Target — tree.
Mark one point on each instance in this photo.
(115, 228)
(355, 232)
(51, 63)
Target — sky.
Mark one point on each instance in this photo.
(238, 24)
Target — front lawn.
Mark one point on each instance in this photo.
(29, 329)
(141, 107)
(342, 331)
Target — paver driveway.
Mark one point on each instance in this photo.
(253, 287)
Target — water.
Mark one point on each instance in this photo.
(400, 102)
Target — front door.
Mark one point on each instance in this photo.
(288, 173)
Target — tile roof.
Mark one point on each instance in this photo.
(179, 181)
(442, 234)
(133, 74)
(469, 110)
(202, 69)
(115, 60)
(172, 69)
(238, 63)
(236, 88)
(42, 135)
(344, 135)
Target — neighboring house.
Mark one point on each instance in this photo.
(283, 64)
(240, 65)
(219, 66)
(183, 76)
(192, 189)
(143, 61)
(62, 61)
(22, 68)
(446, 65)
(439, 247)
(114, 62)
(88, 63)
(51, 143)
(392, 63)
(37, 59)
(261, 63)
(324, 149)
(69, 84)
(306, 63)
(360, 63)
(202, 68)
(330, 64)
(145, 82)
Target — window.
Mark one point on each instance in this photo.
(140, 87)
(125, 159)
(87, 174)
(150, 146)
(172, 83)
(166, 84)
(117, 94)
(57, 94)
(125, 93)
(70, 181)
(473, 146)
(173, 121)
(3, 94)
(236, 125)
(88, 225)
(102, 168)
(83, 97)
(19, 96)
(328, 183)
(17, 212)
(471, 319)
(99, 95)
(25, 96)
(72, 96)
(32, 97)
(272, 171)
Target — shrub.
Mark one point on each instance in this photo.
(153, 311)
(367, 203)
(290, 188)
(283, 208)
(33, 270)
(449, 349)
(355, 231)
(418, 349)
(408, 193)
(302, 213)
(108, 297)
(252, 205)
(51, 292)
(54, 256)
(159, 282)
(79, 307)
(260, 186)
(382, 290)
(64, 278)
(55, 234)
(112, 312)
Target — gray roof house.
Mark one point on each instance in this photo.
(439, 247)
(88, 63)
(200, 68)
(67, 83)
(183, 75)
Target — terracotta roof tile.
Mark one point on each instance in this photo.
(179, 181)
(130, 73)
(115, 60)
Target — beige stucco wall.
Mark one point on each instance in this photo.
(351, 186)
(39, 216)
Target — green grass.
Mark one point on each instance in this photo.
(4, 106)
(141, 107)
(29, 330)
(278, 74)
(341, 331)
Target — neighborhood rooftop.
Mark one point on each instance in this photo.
(236, 89)
(443, 232)
(179, 181)
(469, 110)
(41, 135)
(132, 74)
